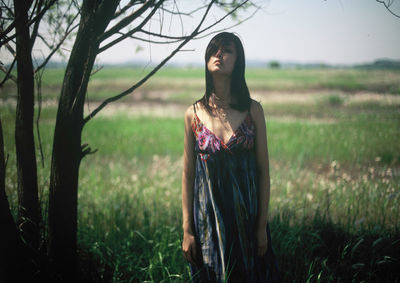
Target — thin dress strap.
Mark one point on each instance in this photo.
(194, 107)
(195, 118)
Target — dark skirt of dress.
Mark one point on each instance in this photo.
(225, 208)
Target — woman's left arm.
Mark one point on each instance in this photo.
(261, 148)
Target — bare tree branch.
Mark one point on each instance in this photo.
(232, 26)
(86, 150)
(76, 4)
(225, 16)
(143, 23)
(154, 41)
(97, 70)
(60, 20)
(5, 18)
(54, 50)
(50, 46)
(3, 34)
(11, 50)
(8, 73)
(387, 6)
(180, 18)
(36, 4)
(9, 10)
(174, 38)
(179, 38)
(183, 13)
(38, 79)
(124, 9)
(152, 72)
(37, 23)
(161, 17)
(162, 35)
(127, 20)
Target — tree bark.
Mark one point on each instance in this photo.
(28, 203)
(67, 151)
(16, 260)
(9, 242)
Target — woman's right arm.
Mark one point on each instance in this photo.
(188, 244)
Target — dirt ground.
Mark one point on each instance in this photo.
(159, 104)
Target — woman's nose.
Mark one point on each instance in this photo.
(219, 53)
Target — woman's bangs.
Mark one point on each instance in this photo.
(218, 43)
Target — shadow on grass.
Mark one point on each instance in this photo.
(321, 251)
(313, 250)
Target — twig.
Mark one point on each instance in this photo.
(124, 9)
(152, 72)
(3, 35)
(127, 20)
(95, 71)
(8, 73)
(36, 25)
(143, 23)
(387, 6)
(154, 41)
(232, 26)
(183, 13)
(224, 17)
(162, 35)
(38, 79)
(58, 45)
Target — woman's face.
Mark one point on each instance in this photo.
(223, 61)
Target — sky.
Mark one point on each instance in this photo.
(304, 31)
(301, 31)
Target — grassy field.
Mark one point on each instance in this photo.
(334, 161)
(190, 81)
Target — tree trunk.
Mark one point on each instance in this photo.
(9, 242)
(16, 260)
(28, 209)
(67, 152)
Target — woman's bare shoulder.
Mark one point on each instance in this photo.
(256, 110)
(189, 113)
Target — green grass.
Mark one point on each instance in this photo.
(140, 138)
(113, 80)
(334, 206)
(334, 166)
(357, 141)
(351, 142)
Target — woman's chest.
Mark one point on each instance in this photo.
(219, 138)
(223, 125)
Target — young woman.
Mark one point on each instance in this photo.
(225, 180)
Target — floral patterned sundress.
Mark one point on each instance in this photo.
(225, 208)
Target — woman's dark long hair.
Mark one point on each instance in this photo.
(240, 93)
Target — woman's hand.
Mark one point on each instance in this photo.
(262, 241)
(189, 248)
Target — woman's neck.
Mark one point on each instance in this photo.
(222, 90)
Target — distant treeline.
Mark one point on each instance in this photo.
(381, 64)
(388, 64)
(377, 64)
